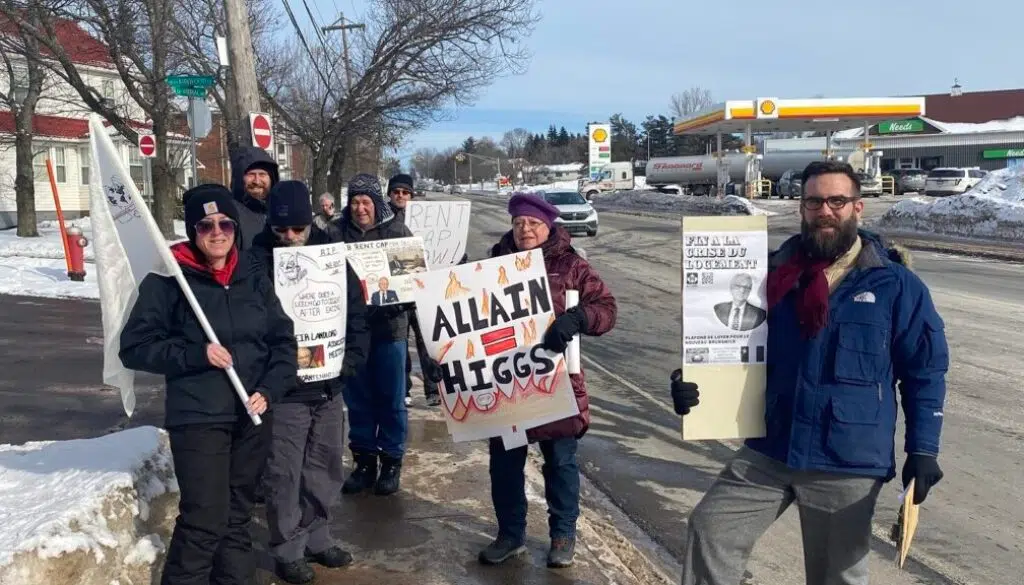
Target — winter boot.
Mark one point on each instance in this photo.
(499, 551)
(333, 557)
(390, 474)
(561, 553)
(364, 475)
(296, 572)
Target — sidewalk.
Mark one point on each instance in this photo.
(431, 531)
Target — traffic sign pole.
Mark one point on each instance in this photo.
(192, 137)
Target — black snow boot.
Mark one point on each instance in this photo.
(364, 476)
(295, 572)
(390, 474)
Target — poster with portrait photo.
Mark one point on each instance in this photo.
(387, 269)
(725, 329)
(725, 313)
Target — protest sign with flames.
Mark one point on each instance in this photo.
(483, 322)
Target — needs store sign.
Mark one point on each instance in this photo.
(900, 126)
(1003, 153)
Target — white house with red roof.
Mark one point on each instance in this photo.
(61, 130)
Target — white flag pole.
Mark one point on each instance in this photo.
(572, 351)
(172, 264)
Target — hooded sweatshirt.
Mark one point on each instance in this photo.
(252, 212)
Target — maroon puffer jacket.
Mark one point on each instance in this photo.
(568, 270)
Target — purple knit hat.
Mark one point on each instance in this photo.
(532, 205)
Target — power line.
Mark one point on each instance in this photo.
(302, 39)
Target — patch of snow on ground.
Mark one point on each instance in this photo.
(51, 492)
(993, 209)
(36, 266)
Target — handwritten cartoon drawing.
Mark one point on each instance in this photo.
(289, 272)
(122, 207)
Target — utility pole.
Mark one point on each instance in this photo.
(243, 66)
(341, 25)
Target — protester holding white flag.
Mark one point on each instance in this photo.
(218, 452)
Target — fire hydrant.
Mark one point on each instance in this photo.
(76, 253)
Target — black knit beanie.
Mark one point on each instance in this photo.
(203, 200)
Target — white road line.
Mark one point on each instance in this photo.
(663, 404)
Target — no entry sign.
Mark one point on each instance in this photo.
(262, 135)
(147, 145)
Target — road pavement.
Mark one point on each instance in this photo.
(972, 525)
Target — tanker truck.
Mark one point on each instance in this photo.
(698, 175)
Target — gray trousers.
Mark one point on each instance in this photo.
(752, 492)
(304, 476)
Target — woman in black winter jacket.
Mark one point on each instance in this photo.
(218, 452)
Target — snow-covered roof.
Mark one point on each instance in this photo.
(1015, 124)
(560, 168)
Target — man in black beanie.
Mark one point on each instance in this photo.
(305, 471)
(253, 173)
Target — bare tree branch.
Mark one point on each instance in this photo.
(690, 102)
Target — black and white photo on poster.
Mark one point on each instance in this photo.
(724, 313)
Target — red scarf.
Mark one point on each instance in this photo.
(812, 295)
(186, 255)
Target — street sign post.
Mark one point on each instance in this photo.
(262, 132)
(147, 145)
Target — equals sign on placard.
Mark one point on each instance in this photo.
(499, 340)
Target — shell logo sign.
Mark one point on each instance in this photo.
(767, 108)
(600, 135)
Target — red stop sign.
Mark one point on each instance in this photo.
(262, 136)
(147, 145)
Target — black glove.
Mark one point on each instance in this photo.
(684, 394)
(432, 369)
(561, 332)
(924, 470)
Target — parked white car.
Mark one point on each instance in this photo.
(576, 214)
(946, 181)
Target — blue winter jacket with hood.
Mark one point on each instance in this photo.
(830, 401)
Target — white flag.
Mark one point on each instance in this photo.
(127, 244)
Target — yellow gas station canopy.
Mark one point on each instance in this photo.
(801, 115)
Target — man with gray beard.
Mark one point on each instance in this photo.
(304, 473)
(849, 323)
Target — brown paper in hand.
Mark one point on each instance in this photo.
(906, 525)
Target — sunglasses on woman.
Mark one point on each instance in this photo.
(205, 226)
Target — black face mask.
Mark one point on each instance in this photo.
(823, 246)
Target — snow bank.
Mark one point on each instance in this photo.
(653, 201)
(37, 277)
(993, 209)
(48, 244)
(89, 512)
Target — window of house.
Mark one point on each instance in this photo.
(39, 165)
(107, 88)
(136, 169)
(83, 164)
(20, 78)
(60, 166)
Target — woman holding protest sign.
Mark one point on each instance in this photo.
(533, 226)
(219, 454)
(377, 412)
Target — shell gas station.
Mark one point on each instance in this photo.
(767, 115)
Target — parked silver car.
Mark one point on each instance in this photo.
(908, 180)
(576, 214)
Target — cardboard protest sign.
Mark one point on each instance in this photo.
(444, 227)
(725, 328)
(311, 284)
(386, 268)
(483, 322)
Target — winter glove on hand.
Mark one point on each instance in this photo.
(684, 394)
(924, 470)
(432, 369)
(566, 325)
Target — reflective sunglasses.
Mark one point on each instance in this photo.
(295, 229)
(834, 202)
(205, 226)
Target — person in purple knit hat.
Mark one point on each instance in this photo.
(534, 227)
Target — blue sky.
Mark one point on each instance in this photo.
(594, 58)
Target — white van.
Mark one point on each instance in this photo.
(943, 182)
